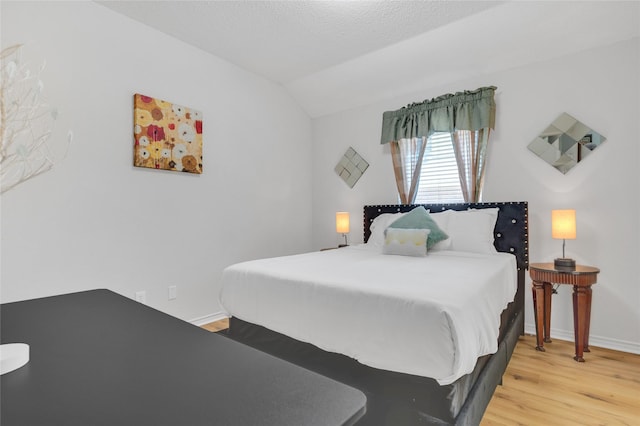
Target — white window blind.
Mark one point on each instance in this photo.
(439, 181)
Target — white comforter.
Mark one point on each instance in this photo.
(430, 316)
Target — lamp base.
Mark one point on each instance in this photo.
(564, 264)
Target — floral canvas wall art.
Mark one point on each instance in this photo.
(167, 136)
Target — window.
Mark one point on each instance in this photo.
(469, 116)
(439, 180)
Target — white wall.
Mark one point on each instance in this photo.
(95, 221)
(599, 87)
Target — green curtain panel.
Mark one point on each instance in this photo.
(469, 110)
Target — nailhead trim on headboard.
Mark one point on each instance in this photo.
(511, 231)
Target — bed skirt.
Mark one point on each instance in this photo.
(397, 398)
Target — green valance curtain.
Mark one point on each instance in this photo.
(469, 110)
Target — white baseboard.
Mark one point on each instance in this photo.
(598, 341)
(217, 316)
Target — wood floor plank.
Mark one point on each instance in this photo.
(550, 388)
(216, 326)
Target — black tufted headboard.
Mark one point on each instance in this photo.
(511, 231)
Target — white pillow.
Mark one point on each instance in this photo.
(442, 219)
(472, 230)
(379, 224)
(406, 242)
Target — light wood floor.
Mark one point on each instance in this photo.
(550, 388)
(223, 324)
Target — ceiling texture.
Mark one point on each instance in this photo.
(337, 55)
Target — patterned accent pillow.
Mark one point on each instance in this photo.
(406, 242)
(419, 218)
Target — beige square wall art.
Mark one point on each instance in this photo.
(167, 136)
(351, 167)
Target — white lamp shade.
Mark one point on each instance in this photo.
(342, 222)
(563, 224)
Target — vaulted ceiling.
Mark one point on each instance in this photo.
(336, 55)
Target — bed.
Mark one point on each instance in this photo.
(345, 313)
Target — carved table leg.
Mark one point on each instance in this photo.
(581, 314)
(539, 308)
(548, 290)
(588, 322)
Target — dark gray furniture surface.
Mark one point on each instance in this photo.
(98, 358)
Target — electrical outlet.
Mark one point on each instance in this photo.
(173, 292)
(141, 296)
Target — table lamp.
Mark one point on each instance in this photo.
(342, 226)
(563, 226)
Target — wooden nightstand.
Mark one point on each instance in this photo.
(543, 275)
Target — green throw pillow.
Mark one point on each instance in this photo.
(419, 218)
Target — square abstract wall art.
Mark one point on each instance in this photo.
(351, 167)
(167, 136)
